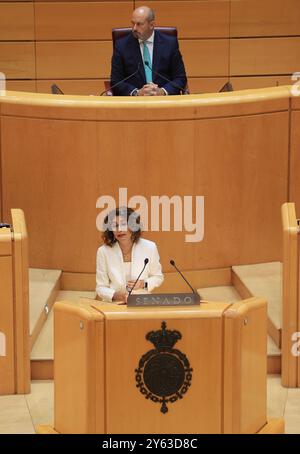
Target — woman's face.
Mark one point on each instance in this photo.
(120, 229)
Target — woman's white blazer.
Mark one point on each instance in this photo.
(110, 275)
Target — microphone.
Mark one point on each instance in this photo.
(184, 91)
(123, 80)
(145, 263)
(55, 90)
(173, 264)
(226, 87)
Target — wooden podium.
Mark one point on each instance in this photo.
(290, 363)
(14, 307)
(198, 369)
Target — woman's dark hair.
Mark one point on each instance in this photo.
(133, 222)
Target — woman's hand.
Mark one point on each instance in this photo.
(120, 297)
(138, 285)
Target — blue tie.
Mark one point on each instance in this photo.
(148, 70)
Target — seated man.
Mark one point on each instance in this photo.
(149, 60)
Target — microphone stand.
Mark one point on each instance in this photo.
(121, 81)
(173, 264)
(145, 263)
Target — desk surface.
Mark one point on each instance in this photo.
(145, 108)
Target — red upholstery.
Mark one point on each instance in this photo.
(108, 91)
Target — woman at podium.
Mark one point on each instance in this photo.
(125, 257)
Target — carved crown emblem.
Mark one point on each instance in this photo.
(163, 374)
(163, 338)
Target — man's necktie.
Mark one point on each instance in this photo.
(146, 56)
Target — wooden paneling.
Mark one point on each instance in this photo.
(95, 87)
(73, 87)
(55, 152)
(274, 365)
(244, 83)
(85, 20)
(42, 369)
(7, 369)
(198, 85)
(294, 184)
(21, 85)
(290, 294)
(199, 23)
(21, 302)
(65, 1)
(78, 281)
(264, 56)
(245, 390)
(60, 60)
(2, 86)
(223, 344)
(16, 21)
(205, 57)
(265, 18)
(78, 407)
(200, 409)
(296, 98)
(173, 282)
(239, 164)
(193, 19)
(17, 60)
(162, 134)
(235, 209)
(85, 59)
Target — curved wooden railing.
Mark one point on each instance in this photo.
(234, 149)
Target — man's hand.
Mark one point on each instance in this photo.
(151, 90)
(159, 92)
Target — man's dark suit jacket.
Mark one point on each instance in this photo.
(167, 61)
